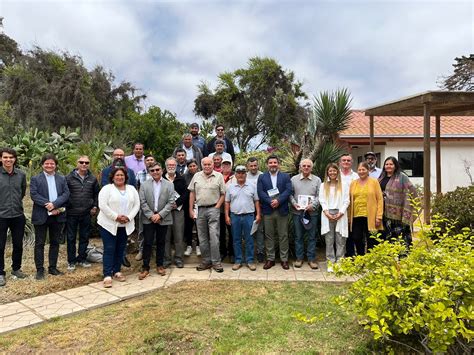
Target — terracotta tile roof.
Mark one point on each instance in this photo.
(408, 126)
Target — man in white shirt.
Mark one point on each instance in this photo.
(252, 176)
(347, 174)
(371, 160)
(219, 146)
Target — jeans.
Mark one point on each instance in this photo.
(84, 224)
(175, 234)
(299, 238)
(17, 227)
(358, 237)
(152, 232)
(208, 233)
(334, 238)
(54, 227)
(242, 225)
(276, 227)
(114, 246)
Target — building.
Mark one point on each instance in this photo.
(402, 137)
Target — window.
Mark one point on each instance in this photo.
(411, 163)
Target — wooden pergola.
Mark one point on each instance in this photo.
(427, 104)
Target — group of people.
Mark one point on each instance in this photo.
(239, 213)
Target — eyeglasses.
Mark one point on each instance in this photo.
(84, 162)
(154, 170)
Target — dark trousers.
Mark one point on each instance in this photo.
(226, 245)
(394, 229)
(188, 229)
(358, 237)
(114, 245)
(54, 227)
(84, 224)
(152, 232)
(17, 227)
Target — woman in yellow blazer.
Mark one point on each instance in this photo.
(365, 211)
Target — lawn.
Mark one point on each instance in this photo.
(211, 316)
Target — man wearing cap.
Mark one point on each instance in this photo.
(371, 160)
(198, 140)
(305, 199)
(241, 209)
(252, 176)
(207, 190)
(274, 190)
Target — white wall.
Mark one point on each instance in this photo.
(452, 156)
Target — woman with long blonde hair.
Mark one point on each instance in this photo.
(334, 200)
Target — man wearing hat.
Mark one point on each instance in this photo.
(304, 202)
(371, 160)
(241, 209)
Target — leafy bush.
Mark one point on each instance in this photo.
(425, 297)
(457, 205)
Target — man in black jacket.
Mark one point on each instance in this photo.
(220, 134)
(84, 191)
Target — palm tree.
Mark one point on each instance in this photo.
(329, 115)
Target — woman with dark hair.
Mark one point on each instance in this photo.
(119, 204)
(366, 211)
(397, 191)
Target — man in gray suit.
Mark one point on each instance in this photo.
(156, 199)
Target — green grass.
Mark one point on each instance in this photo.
(222, 317)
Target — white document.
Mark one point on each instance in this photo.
(304, 201)
(273, 193)
(254, 227)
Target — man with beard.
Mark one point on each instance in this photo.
(118, 157)
(198, 140)
(371, 160)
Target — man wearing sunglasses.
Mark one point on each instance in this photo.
(84, 190)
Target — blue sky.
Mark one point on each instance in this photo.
(380, 50)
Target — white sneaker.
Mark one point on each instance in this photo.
(198, 251)
(330, 269)
(71, 266)
(188, 250)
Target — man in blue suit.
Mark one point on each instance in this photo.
(50, 193)
(118, 157)
(274, 189)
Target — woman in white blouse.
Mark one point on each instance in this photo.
(119, 204)
(334, 200)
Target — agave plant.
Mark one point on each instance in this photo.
(330, 114)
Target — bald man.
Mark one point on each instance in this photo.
(118, 157)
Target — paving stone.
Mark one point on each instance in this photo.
(78, 292)
(95, 299)
(259, 274)
(228, 274)
(309, 276)
(190, 274)
(12, 308)
(44, 300)
(59, 308)
(18, 320)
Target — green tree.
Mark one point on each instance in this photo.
(159, 130)
(463, 76)
(46, 89)
(329, 114)
(260, 101)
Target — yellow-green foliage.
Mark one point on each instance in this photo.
(426, 295)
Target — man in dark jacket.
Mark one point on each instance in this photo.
(84, 191)
(220, 134)
(13, 188)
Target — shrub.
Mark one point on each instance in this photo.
(457, 205)
(424, 297)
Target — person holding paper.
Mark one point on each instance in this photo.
(274, 190)
(241, 209)
(305, 198)
(176, 230)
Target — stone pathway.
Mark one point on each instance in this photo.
(35, 310)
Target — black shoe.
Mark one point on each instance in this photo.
(39, 275)
(125, 262)
(55, 272)
(179, 264)
(260, 257)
